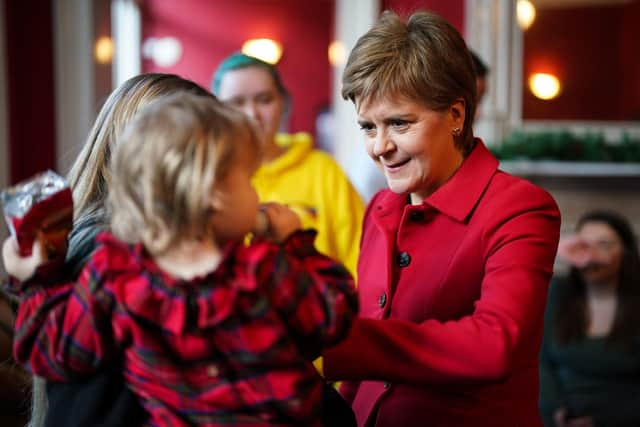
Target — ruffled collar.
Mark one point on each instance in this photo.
(147, 292)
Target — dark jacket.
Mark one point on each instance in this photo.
(588, 376)
(102, 400)
(14, 381)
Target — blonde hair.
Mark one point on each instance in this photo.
(424, 59)
(166, 168)
(89, 176)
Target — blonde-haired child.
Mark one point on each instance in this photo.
(103, 398)
(213, 332)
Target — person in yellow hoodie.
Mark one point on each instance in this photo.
(293, 172)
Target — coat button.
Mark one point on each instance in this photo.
(382, 300)
(404, 259)
(212, 370)
(416, 216)
(386, 385)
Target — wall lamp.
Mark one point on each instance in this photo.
(544, 86)
(268, 50)
(526, 13)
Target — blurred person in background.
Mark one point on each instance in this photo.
(590, 358)
(482, 72)
(293, 172)
(456, 255)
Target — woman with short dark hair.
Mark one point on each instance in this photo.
(455, 256)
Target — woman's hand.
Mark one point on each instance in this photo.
(21, 267)
(561, 419)
(580, 422)
(581, 253)
(276, 222)
(573, 250)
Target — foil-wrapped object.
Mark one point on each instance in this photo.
(39, 206)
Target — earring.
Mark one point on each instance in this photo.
(456, 132)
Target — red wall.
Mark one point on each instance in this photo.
(30, 86)
(630, 58)
(593, 51)
(211, 30)
(451, 10)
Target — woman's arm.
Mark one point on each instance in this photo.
(480, 347)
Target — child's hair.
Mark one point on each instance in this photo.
(167, 165)
(89, 176)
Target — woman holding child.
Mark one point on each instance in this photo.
(455, 257)
(212, 332)
(101, 399)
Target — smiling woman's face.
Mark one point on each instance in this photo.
(412, 144)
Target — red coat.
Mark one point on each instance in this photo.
(452, 296)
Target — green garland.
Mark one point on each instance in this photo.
(566, 146)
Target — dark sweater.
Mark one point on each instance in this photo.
(589, 376)
(101, 400)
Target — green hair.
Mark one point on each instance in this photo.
(240, 60)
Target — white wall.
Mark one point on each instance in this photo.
(73, 32)
(126, 28)
(492, 32)
(353, 19)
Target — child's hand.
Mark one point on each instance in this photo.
(20, 267)
(281, 220)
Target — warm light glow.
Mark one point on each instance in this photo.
(165, 52)
(103, 50)
(337, 53)
(544, 86)
(526, 13)
(265, 49)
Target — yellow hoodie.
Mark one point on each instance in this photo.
(311, 183)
